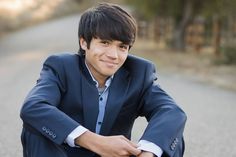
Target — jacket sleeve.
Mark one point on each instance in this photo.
(166, 120)
(40, 109)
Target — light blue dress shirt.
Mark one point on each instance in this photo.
(103, 94)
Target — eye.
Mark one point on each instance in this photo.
(105, 42)
(124, 47)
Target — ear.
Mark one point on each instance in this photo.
(83, 44)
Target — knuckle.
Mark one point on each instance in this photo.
(123, 153)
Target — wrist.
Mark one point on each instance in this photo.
(147, 154)
(89, 140)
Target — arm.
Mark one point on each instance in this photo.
(107, 146)
(147, 146)
(102, 145)
(166, 120)
(40, 109)
(146, 154)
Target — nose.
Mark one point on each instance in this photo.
(112, 52)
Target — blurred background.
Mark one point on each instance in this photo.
(192, 43)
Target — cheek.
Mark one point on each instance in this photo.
(123, 58)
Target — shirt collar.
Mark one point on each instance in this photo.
(108, 81)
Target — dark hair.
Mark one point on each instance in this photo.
(108, 22)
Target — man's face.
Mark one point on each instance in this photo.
(104, 57)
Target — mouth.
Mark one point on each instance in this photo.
(110, 63)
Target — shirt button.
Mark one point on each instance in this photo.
(99, 123)
(100, 98)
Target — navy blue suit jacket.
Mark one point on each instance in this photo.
(65, 97)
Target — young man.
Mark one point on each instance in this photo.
(84, 105)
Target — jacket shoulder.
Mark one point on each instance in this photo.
(137, 63)
(63, 60)
(62, 57)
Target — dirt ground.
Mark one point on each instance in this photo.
(204, 66)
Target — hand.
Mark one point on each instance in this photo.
(108, 146)
(146, 154)
(116, 146)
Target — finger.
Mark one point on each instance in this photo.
(132, 147)
(133, 144)
(133, 150)
(130, 142)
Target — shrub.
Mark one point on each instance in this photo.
(229, 54)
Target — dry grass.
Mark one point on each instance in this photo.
(200, 66)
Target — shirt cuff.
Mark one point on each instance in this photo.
(70, 140)
(150, 147)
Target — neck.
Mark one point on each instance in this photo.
(101, 83)
(101, 79)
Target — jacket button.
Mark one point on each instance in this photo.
(176, 140)
(54, 136)
(47, 131)
(172, 146)
(50, 133)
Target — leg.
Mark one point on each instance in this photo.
(38, 146)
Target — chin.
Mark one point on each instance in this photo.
(109, 73)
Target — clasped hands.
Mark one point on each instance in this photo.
(110, 146)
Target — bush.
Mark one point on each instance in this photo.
(229, 54)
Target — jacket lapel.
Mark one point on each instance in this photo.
(89, 99)
(90, 105)
(117, 92)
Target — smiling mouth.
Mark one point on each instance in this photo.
(110, 63)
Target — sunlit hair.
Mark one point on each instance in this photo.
(108, 22)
